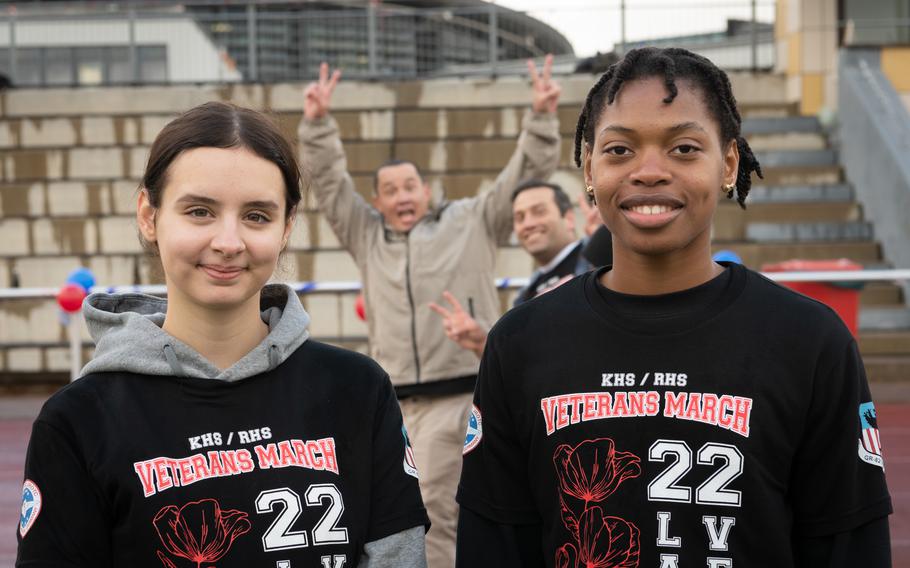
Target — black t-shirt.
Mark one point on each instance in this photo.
(296, 467)
(707, 427)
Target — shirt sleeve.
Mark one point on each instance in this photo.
(838, 478)
(536, 156)
(321, 153)
(63, 520)
(868, 545)
(494, 476)
(406, 549)
(396, 503)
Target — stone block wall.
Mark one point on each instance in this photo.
(71, 160)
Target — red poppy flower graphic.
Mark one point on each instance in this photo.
(603, 542)
(200, 531)
(567, 557)
(592, 470)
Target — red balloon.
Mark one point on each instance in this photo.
(70, 297)
(360, 307)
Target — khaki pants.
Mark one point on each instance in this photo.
(436, 427)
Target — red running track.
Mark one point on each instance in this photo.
(17, 413)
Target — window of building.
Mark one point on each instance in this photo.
(882, 22)
(85, 65)
(119, 69)
(28, 67)
(152, 63)
(58, 66)
(90, 65)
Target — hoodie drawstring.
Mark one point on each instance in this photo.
(172, 361)
(274, 356)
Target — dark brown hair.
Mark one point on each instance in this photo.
(563, 203)
(391, 163)
(222, 125)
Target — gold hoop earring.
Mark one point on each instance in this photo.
(729, 189)
(589, 191)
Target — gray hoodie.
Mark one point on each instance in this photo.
(128, 337)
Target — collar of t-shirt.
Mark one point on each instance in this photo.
(666, 313)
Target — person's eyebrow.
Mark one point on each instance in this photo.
(683, 126)
(619, 129)
(256, 204)
(676, 128)
(193, 198)
(267, 205)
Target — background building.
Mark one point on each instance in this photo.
(66, 43)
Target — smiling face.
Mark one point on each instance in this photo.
(401, 196)
(658, 169)
(541, 229)
(220, 227)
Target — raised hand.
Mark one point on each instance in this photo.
(317, 97)
(545, 91)
(460, 326)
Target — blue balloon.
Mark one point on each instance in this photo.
(83, 277)
(727, 256)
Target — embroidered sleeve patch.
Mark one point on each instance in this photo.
(410, 464)
(870, 441)
(31, 506)
(475, 431)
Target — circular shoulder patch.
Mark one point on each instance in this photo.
(475, 431)
(31, 506)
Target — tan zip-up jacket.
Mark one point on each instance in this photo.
(452, 248)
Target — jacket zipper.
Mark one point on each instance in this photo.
(411, 303)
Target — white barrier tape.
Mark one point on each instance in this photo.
(501, 283)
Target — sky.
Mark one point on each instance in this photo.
(595, 25)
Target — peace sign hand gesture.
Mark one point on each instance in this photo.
(545, 91)
(460, 326)
(318, 95)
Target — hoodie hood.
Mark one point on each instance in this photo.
(128, 337)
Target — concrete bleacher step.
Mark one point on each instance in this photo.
(758, 254)
(810, 232)
(886, 354)
(754, 109)
(893, 370)
(784, 133)
(787, 141)
(881, 294)
(885, 318)
(800, 193)
(884, 342)
(796, 158)
(778, 125)
(799, 175)
(732, 223)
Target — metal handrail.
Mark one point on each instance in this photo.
(311, 287)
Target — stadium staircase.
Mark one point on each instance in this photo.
(804, 210)
(71, 160)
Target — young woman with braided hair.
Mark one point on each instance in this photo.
(696, 414)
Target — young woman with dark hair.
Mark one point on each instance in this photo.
(209, 430)
(669, 411)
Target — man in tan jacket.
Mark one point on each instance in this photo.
(408, 252)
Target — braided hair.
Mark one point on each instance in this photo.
(672, 63)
